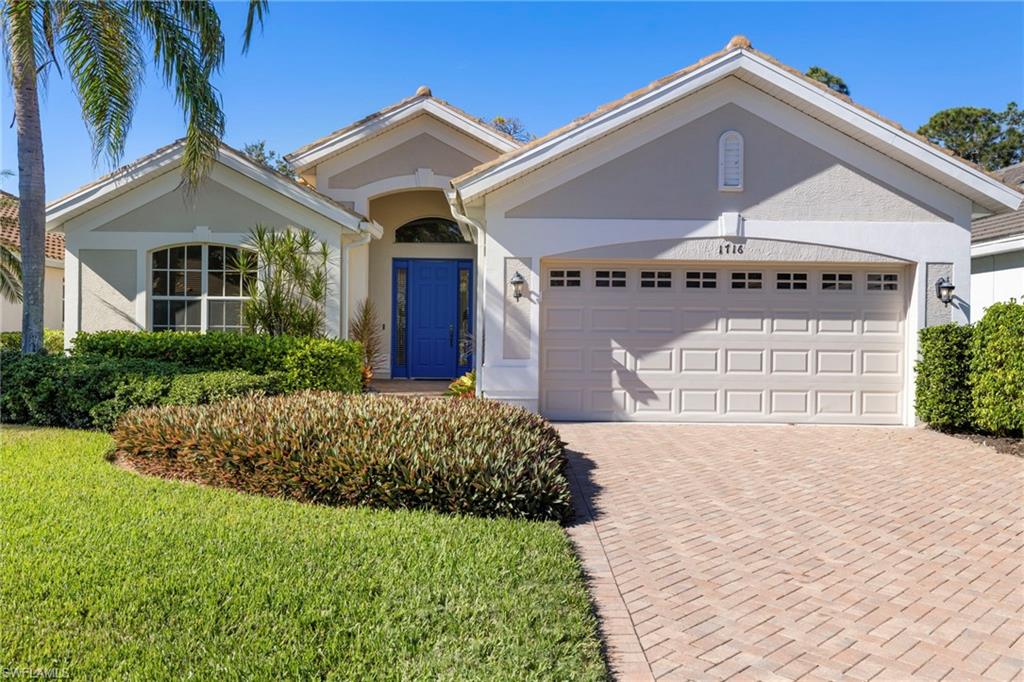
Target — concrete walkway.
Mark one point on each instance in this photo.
(783, 553)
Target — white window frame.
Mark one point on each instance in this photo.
(727, 137)
(204, 297)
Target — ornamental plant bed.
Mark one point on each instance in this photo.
(475, 457)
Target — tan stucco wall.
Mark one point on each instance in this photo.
(422, 151)
(109, 285)
(216, 206)
(676, 177)
(393, 211)
(53, 304)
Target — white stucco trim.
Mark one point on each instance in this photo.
(346, 138)
(996, 246)
(360, 197)
(871, 130)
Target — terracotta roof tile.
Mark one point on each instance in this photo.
(1006, 224)
(10, 234)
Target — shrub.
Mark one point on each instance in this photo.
(308, 362)
(459, 456)
(997, 369)
(209, 387)
(464, 386)
(943, 395)
(53, 341)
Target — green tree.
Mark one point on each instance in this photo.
(830, 79)
(103, 47)
(513, 127)
(258, 152)
(991, 139)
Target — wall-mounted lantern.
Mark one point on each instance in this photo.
(944, 290)
(517, 282)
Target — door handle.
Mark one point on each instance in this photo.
(451, 336)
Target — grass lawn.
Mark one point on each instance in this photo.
(104, 573)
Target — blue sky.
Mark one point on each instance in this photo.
(319, 66)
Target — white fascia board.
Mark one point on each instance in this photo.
(997, 246)
(958, 176)
(337, 144)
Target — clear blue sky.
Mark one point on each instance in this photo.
(319, 66)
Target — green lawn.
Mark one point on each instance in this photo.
(104, 573)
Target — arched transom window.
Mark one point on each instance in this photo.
(430, 231)
(197, 287)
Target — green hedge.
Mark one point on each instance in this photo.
(997, 369)
(93, 391)
(459, 456)
(972, 377)
(53, 340)
(943, 395)
(305, 363)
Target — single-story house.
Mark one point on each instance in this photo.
(53, 277)
(997, 252)
(732, 243)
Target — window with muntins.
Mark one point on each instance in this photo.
(610, 278)
(837, 281)
(564, 278)
(656, 279)
(701, 280)
(791, 281)
(746, 280)
(888, 281)
(198, 288)
(730, 161)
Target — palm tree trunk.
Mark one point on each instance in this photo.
(32, 209)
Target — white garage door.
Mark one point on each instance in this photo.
(704, 342)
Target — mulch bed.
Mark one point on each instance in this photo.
(1010, 446)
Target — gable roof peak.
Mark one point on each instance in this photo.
(739, 42)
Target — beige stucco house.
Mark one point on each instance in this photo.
(53, 275)
(733, 242)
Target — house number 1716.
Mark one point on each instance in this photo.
(725, 249)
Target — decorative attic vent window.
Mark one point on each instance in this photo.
(730, 162)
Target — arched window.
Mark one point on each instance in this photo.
(197, 287)
(430, 231)
(730, 162)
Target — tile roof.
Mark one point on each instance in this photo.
(11, 235)
(738, 42)
(1005, 224)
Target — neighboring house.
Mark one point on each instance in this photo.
(53, 286)
(997, 253)
(734, 242)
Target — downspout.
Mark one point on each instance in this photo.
(458, 212)
(364, 227)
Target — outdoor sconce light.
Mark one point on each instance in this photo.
(517, 282)
(944, 290)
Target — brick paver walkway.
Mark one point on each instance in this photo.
(781, 553)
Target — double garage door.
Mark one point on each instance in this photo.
(705, 342)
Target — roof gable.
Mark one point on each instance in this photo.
(777, 80)
(422, 103)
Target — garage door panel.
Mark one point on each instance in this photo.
(718, 354)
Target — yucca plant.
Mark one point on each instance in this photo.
(284, 272)
(365, 328)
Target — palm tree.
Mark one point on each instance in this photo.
(102, 46)
(10, 274)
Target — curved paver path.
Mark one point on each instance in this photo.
(782, 552)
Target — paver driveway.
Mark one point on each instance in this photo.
(800, 552)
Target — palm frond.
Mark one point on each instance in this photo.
(257, 8)
(10, 274)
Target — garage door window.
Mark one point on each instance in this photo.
(564, 278)
(883, 281)
(837, 281)
(610, 278)
(791, 281)
(701, 280)
(746, 280)
(655, 279)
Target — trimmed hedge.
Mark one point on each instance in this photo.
(997, 369)
(458, 456)
(93, 391)
(305, 363)
(53, 341)
(943, 395)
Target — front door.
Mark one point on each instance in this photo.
(431, 318)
